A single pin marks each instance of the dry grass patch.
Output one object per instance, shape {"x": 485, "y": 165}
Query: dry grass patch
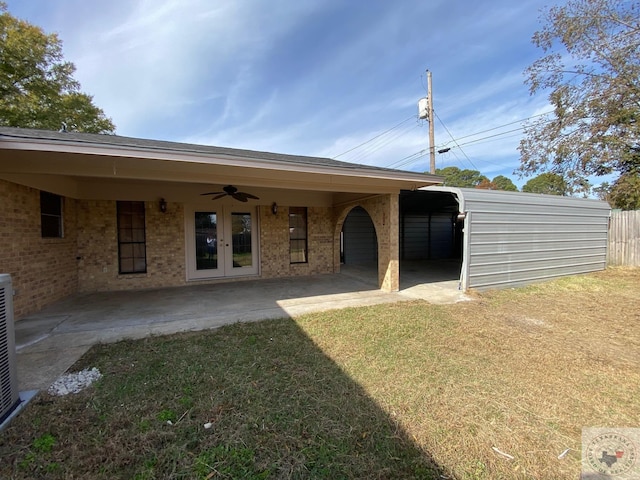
{"x": 522, "y": 370}
{"x": 409, "y": 390}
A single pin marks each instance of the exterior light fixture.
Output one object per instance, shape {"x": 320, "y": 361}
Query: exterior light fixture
{"x": 274, "y": 208}
{"x": 163, "y": 205}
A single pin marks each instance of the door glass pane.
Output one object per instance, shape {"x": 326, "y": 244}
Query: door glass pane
{"x": 241, "y": 240}
{"x": 206, "y": 240}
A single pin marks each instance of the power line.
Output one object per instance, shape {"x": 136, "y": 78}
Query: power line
{"x": 375, "y": 144}
{"x": 377, "y": 136}
{"x": 382, "y": 140}
{"x": 502, "y": 126}
{"x": 455, "y": 141}
{"x": 488, "y": 137}
{"x": 414, "y": 157}
{"x": 492, "y": 139}
{"x": 372, "y": 149}
{"x": 409, "y": 159}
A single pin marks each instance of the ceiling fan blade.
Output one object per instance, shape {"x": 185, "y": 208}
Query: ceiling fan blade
{"x": 233, "y": 192}
{"x": 239, "y": 196}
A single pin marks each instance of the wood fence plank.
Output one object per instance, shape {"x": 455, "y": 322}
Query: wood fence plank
{"x": 624, "y": 238}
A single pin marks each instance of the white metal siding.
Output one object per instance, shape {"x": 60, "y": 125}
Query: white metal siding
{"x": 517, "y": 238}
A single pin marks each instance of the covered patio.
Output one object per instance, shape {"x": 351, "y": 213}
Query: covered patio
{"x": 111, "y": 213}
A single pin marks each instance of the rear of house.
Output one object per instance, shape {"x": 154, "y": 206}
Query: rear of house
{"x": 82, "y": 213}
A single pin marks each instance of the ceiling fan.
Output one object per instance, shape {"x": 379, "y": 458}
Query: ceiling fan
{"x": 233, "y": 192}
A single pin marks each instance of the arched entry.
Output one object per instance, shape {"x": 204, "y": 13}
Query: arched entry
{"x": 359, "y": 244}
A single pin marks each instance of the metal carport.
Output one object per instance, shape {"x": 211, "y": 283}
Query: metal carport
{"x": 506, "y": 239}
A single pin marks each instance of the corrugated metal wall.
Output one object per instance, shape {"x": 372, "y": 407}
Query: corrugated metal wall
{"x": 427, "y": 237}
{"x": 518, "y": 238}
{"x": 359, "y": 237}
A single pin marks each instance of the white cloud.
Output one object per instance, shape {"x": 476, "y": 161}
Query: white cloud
{"x": 316, "y": 77}
{"x": 155, "y": 55}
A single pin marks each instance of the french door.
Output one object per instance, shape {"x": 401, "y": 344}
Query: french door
{"x": 221, "y": 242}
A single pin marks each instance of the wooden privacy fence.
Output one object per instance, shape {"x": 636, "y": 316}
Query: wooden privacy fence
{"x": 624, "y": 238}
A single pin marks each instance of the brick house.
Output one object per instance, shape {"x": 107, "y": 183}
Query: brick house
{"x": 84, "y": 212}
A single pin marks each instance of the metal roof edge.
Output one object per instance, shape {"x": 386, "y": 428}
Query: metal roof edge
{"x": 465, "y": 194}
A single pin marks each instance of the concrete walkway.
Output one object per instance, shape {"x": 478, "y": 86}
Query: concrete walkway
{"x": 51, "y": 341}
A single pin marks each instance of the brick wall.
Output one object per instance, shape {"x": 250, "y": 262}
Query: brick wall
{"x": 42, "y": 269}
{"x": 98, "y": 247}
{"x": 384, "y": 212}
{"x": 274, "y": 243}
{"x": 86, "y": 259}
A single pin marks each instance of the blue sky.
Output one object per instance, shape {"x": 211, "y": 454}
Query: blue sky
{"x": 308, "y": 77}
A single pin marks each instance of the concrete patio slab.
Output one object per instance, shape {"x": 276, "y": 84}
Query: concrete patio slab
{"x": 52, "y": 340}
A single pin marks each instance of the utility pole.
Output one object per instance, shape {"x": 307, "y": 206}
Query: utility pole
{"x": 432, "y": 147}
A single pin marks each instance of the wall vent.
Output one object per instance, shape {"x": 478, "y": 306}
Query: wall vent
{"x": 9, "y": 395}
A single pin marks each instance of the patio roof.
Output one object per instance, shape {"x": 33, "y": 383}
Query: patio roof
{"x": 111, "y": 157}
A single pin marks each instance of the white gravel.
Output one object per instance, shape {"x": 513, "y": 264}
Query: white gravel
{"x": 74, "y": 382}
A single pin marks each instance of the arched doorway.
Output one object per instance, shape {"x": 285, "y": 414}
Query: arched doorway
{"x": 359, "y": 245}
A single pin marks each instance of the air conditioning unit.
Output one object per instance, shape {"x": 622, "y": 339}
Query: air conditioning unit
{"x": 9, "y": 395}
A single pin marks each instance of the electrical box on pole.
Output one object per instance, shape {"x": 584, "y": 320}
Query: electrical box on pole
{"x": 423, "y": 108}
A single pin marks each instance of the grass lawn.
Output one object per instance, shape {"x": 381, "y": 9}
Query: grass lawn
{"x": 408, "y": 390}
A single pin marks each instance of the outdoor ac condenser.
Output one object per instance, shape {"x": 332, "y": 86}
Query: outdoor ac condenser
{"x": 9, "y": 395}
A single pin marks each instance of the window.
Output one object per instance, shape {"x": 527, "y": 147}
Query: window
{"x": 298, "y": 235}
{"x": 50, "y": 215}
{"x": 132, "y": 253}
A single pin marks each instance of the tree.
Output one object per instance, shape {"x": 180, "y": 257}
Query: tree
{"x": 549, "y": 183}
{"x": 454, "y": 177}
{"x": 602, "y": 191}
{"x": 486, "y": 184}
{"x": 504, "y": 183}
{"x": 625, "y": 192}
{"x": 37, "y": 88}
{"x": 591, "y": 68}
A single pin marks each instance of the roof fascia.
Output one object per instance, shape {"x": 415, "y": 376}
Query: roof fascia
{"x": 82, "y": 148}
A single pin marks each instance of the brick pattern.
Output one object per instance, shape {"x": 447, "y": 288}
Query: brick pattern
{"x": 86, "y": 259}
{"x": 320, "y": 238}
{"x": 98, "y": 248}
{"x": 42, "y": 269}
{"x": 274, "y": 242}
{"x": 384, "y": 212}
